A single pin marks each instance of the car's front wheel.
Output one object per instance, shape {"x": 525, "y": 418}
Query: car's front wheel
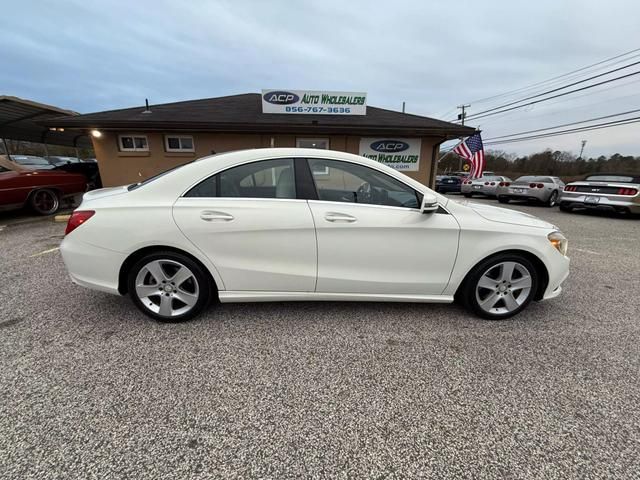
{"x": 169, "y": 286}
{"x": 500, "y": 286}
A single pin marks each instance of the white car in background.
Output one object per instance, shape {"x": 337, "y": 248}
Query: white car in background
{"x": 304, "y": 224}
{"x": 484, "y": 185}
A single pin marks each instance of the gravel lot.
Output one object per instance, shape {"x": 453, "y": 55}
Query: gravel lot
{"x": 90, "y": 388}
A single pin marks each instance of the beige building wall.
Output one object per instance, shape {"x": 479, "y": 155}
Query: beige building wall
{"x": 119, "y": 168}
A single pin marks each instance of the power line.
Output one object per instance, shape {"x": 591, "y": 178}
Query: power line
{"x": 600, "y": 126}
{"x": 558, "y": 95}
{"x": 555, "y": 89}
{"x": 565, "y": 124}
{"x": 481, "y": 100}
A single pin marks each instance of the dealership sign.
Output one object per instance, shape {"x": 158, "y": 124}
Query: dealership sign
{"x": 314, "y": 102}
{"x": 399, "y": 153}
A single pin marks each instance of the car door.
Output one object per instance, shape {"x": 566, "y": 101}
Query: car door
{"x": 372, "y": 236}
{"x": 249, "y": 222}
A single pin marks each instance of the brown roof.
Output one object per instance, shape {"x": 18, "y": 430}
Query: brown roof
{"x": 242, "y": 113}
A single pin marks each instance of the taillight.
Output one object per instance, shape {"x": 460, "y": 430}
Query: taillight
{"x": 532, "y": 185}
{"x": 493, "y": 183}
{"x": 501, "y": 184}
{"x": 486, "y": 183}
{"x": 78, "y": 218}
{"x": 540, "y": 185}
{"x": 627, "y": 191}
{"x": 570, "y": 188}
{"x": 506, "y": 184}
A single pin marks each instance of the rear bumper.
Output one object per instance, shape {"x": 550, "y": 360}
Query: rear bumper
{"x": 90, "y": 266}
{"x": 603, "y": 203}
{"x": 533, "y": 197}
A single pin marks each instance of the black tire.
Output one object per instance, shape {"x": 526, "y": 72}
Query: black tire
{"x": 503, "y": 199}
{"x": 468, "y": 195}
{"x": 467, "y": 292}
{"x": 202, "y": 285}
{"x": 44, "y": 201}
{"x": 553, "y": 200}
{"x": 565, "y": 208}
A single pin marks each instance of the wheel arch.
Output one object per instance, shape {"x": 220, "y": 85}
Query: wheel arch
{"x": 130, "y": 261}
{"x": 541, "y": 269}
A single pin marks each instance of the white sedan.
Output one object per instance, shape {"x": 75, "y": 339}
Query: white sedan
{"x": 303, "y": 224}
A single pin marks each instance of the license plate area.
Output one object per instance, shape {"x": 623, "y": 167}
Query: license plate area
{"x": 477, "y": 187}
{"x": 518, "y": 190}
{"x": 591, "y": 200}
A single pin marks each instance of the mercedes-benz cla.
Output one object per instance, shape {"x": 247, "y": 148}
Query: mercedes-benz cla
{"x": 301, "y": 224}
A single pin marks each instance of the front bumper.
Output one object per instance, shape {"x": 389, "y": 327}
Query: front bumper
{"x": 600, "y": 202}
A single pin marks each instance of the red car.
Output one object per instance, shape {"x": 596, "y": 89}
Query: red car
{"x": 42, "y": 190}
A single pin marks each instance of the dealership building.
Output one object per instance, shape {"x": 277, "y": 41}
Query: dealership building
{"x": 135, "y": 143}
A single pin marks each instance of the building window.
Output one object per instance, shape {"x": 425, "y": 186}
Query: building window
{"x": 178, "y": 143}
{"x": 133, "y": 143}
{"x": 320, "y": 143}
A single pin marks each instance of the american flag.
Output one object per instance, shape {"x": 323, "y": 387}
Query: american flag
{"x": 472, "y": 150}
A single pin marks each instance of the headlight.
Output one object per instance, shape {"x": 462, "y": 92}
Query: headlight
{"x": 559, "y": 241}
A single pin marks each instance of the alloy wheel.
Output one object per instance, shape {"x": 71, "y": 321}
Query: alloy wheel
{"x": 167, "y": 288}
{"x": 504, "y": 287}
{"x": 45, "y": 202}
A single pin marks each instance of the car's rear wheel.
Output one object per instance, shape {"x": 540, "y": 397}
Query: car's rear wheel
{"x": 44, "y": 201}
{"x": 502, "y": 199}
{"x": 500, "y": 286}
{"x": 553, "y": 199}
{"x": 169, "y": 286}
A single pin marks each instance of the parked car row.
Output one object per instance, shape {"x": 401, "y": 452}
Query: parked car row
{"x": 618, "y": 193}
{"x": 88, "y": 168}
{"x": 40, "y": 189}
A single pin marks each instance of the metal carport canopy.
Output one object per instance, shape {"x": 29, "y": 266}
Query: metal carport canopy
{"x": 19, "y": 120}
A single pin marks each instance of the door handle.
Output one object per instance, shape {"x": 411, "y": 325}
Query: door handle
{"x": 339, "y": 217}
{"x": 212, "y": 216}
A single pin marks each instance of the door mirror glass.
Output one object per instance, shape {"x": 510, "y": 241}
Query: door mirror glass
{"x": 429, "y": 203}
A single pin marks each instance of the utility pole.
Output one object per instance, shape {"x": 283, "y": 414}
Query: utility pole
{"x": 402, "y": 107}
{"x": 461, "y": 117}
{"x": 584, "y": 142}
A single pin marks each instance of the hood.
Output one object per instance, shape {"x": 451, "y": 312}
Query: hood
{"x": 504, "y": 215}
{"x": 103, "y": 192}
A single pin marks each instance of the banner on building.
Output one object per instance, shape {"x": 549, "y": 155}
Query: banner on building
{"x": 312, "y": 102}
{"x": 399, "y": 153}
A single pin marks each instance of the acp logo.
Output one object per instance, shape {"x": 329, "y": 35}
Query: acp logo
{"x": 389, "y": 146}
{"x": 281, "y": 98}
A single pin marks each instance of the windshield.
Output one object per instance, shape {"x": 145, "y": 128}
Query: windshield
{"x": 29, "y": 160}
{"x": 133, "y": 186}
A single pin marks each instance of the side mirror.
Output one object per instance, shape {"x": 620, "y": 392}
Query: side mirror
{"x": 429, "y": 203}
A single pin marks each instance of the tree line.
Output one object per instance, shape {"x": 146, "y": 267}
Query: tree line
{"x": 560, "y": 164}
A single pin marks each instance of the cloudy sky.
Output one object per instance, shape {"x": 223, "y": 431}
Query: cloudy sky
{"x": 434, "y": 55}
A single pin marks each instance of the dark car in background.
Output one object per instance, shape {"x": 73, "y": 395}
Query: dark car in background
{"x": 41, "y": 189}
{"x": 32, "y": 162}
{"x": 448, "y": 183}
{"x": 75, "y": 165}
{"x": 613, "y": 192}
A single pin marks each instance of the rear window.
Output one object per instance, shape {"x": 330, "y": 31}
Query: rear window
{"x": 29, "y": 160}
{"x": 531, "y": 178}
{"x": 133, "y": 186}
{"x": 609, "y": 178}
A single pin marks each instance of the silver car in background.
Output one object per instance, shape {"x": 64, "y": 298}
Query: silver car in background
{"x": 542, "y": 189}
{"x": 490, "y": 186}
{"x": 614, "y": 192}
{"x": 477, "y": 186}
